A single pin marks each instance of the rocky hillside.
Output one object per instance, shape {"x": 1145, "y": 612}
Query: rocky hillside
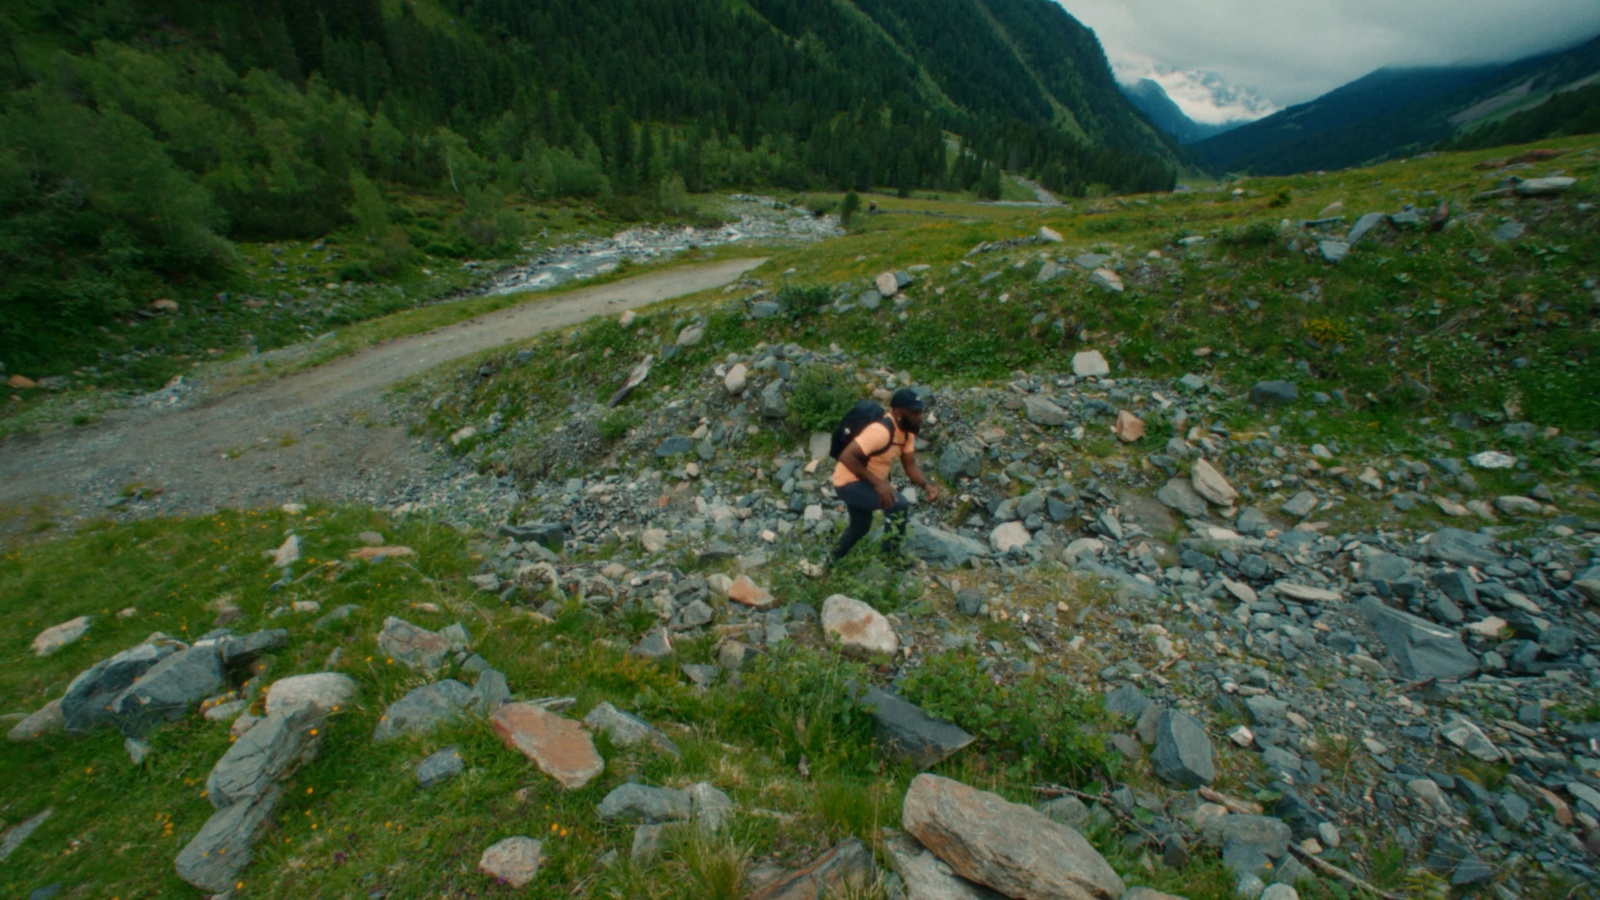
{"x": 1190, "y": 622}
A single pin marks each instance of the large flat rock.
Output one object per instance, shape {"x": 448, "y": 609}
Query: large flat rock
{"x": 559, "y": 746}
{"x": 1420, "y": 648}
{"x": 1013, "y": 849}
{"x": 213, "y": 859}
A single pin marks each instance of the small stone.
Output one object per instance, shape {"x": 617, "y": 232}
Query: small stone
{"x": 55, "y": 637}
{"x": 288, "y": 552}
{"x": 1210, "y": 484}
{"x": 641, "y": 803}
{"x": 626, "y": 730}
{"x": 747, "y": 592}
{"x": 1009, "y": 536}
{"x": 1041, "y": 411}
{"x": 322, "y": 691}
{"x": 515, "y": 861}
{"x": 440, "y": 767}
{"x": 1128, "y": 428}
{"x": 1090, "y": 364}
{"x": 857, "y": 628}
{"x": 1274, "y": 392}
{"x": 1107, "y": 279}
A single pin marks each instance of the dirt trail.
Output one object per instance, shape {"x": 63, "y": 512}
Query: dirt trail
{"x": 318, "y": 433}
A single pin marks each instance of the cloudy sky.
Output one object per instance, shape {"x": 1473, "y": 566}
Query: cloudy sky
{"x": 1289, "y": 51}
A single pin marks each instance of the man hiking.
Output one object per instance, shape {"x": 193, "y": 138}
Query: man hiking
{"x": 861, "y": 477}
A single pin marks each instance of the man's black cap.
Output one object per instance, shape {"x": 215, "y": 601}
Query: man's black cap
{"x": 906, "y": 398}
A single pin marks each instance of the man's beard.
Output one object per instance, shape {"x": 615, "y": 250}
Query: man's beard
{"x": 910, "y": 427}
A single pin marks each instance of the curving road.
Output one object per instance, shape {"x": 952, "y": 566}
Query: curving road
{"x": 319, "y": 433}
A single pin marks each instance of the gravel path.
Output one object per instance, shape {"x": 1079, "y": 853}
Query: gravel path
{"x": 323, "y": 432}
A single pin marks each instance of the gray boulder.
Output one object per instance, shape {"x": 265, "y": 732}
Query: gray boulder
{"x": 943, "y": 548}
{"x": 412, "y": 646}
{"x": 958, "y": 459}
{"x": 1420, "y": 648}
{"x": 87, "y": 701}
{"x": 1128, "y": 702}
{"x": 213, "y": 859}
{"x": 1041, "y": 411}
{"x": 440, "y": 767}
{"x": 1253, "y": 845}
{"x": 1179, "y": 494}
{"x": 492, "y": 691}
{"x": 1182, "y": 753}
{"x": 773, "y": 404}
{"x": 626, "y": 729}
{"x": 905, "y": 731}
{"x": 425, "y": 709}
{"x": 1462, "y": 548}
{"x": 925, "y": 876}
{"x": 1363, "y": 227}
{"x": 168, "y": 690}
{"x": 263, "y": 756}
{"x": 642, "y": 803}
{"x": 1300, "y": 505}
{"x": 239, "y": 652}
{"x": 1263, "y": 392}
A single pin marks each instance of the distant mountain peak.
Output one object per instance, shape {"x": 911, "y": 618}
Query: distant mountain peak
{"x": 1206, "y": 98}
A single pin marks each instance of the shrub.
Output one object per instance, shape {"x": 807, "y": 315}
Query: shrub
{"x": 821, "y": 397}
{"x": 1259, "y": 233}
{"x": 802, "y": 302}
{"x": 851, "y": 206}
{"x": 616, "y": 424}
{"x": 1039, "y": 724}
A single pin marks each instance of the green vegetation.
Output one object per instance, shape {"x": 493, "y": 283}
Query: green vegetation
{"x": 142, "y": 142}
{"x": 822, "y": 395}
{"x": 1569, "y": 112}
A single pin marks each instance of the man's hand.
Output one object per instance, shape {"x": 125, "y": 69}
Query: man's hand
{"x": 933, "y": 492}
{"x": 886, "y": 495}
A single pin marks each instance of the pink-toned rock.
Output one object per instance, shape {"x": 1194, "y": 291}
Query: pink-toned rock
{"x": 840, "y": 872}
{"x": 857, "y": 628}
{"x": 747, "y": 592}
{"x": 165, "y": 305}
{"x": 1011, "y": 848}
{"x": 1129, "y": 427}
{"x": 21, "y": 383}
{"x": 366, "y": 554}
{"x": 515, "y": 860}
{"x": 561, "y": 747}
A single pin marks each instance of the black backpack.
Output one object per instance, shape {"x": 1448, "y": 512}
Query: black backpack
{"x": 864, "y": 413}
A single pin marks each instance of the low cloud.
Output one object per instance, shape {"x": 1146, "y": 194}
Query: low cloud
{"x": 1290, "y": 51}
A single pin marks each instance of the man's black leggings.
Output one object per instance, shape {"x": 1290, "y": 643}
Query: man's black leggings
{"x": 862, "y": 501}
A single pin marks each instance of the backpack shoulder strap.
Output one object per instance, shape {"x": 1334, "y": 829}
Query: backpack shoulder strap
{"x": 887, "y": 422}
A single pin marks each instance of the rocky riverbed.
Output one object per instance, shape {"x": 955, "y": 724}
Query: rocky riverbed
{"x": 759, "y": 218}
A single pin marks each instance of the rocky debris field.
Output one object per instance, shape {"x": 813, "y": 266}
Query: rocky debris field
{"x": 1289, "y": 620}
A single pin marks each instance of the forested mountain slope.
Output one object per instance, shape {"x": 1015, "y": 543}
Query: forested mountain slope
{"x": 139, "y": 137}
{"x": 1393, "y": 112}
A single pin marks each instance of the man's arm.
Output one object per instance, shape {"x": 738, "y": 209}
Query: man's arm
{"x": 855, "y": 459}
{"x": 908, "y": 461}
